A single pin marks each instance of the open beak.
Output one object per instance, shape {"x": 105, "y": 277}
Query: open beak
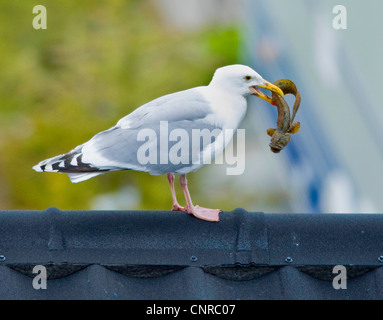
{"x": 269, "y": 86}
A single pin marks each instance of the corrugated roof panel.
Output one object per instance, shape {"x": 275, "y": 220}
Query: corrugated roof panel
{"x": 172, "y": 255}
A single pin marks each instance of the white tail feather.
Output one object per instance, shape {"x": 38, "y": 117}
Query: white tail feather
{"x": 78, "y": 177}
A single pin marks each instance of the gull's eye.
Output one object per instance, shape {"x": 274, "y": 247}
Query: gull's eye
{"x": 247, "y": 78}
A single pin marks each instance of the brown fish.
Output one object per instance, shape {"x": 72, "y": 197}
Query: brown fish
{"x": 281, "y": 136}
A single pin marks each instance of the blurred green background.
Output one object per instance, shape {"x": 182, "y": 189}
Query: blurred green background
{"x": 99, "y": 60}
{"x": 96, "y": 62}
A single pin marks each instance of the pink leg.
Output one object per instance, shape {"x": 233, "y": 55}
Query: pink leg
{"x": 176, "y": 206}
{"x": 197, "y": 211}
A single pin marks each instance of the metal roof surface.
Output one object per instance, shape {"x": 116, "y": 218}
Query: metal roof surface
{"x": 172, "y": 255}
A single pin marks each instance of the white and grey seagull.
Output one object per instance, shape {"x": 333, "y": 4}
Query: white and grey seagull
{"x": 136, "y": 142}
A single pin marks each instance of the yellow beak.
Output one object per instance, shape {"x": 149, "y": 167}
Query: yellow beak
{"x": 269, "y": 86}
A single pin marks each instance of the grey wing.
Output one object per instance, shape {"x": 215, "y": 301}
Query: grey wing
{"x": 166, "y": 135}
{"x": 184, "y": 105}
{"x": 163, "y": 147}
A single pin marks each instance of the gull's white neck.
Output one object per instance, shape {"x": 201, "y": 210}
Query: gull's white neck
{"x": 229, "y": 108}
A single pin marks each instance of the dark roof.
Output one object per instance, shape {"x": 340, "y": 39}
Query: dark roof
{"x": 172, "y": 255}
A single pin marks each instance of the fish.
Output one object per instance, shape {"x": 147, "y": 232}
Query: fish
{"x": 281, "y": 136}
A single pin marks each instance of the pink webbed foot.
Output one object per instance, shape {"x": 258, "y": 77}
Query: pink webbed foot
{"x": 205, "y": 213}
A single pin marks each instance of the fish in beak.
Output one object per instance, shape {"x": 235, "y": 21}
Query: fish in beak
{"x": 269, "y": 86}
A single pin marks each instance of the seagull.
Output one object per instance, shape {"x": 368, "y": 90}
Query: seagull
{"x": 158, "y": 131}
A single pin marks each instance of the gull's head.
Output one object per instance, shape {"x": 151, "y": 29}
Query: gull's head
{"x": 243, "y": 80}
